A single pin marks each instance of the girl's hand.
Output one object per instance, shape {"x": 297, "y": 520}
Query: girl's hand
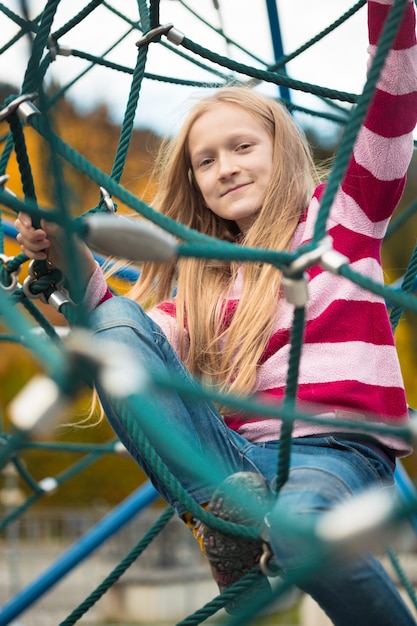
{"x": 46, "y": 244}
{"x": 43, "y": 243}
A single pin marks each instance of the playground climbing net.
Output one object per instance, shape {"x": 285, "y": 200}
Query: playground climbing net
{"x": 70, "y": 365}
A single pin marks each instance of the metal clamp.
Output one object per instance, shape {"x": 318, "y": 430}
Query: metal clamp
{"x": 309, "y": 258}
{"x": 324, "y": 254}
{"x": 23, "y": 106}
{"x": 32, "y": 278}
{"x": 55, "y": 49}
{"x": 294, "y": 280}
{"x": 3, "y": 180}
{"x": 172, "y": 34}
{"x": 106, "y": 199}
{"x": 13, "y": 275}
{"x": 48, "y": 484}
{"x": 295, "y": 290}
{"x": 267, "y": 563}
{"x": 58, "y": 298}
{"x": 332, "y": 260}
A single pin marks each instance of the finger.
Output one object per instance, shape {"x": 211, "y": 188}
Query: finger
{"x": 30, "y": 236}
{"x": 24, "y": 219}
{"x": 40, "y": 255}
{"x": 26, "y": 229}
{"x": 35, "y": 243}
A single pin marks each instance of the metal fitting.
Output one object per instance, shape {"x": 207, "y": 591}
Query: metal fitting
{"x": 175, "y": 36}
{"x": 309, "y": 258}
{"x": 154, "y": 35}
{"x": 22, "y": 106}
{"x": 119, "y": 448}
{"x": 295, "y": 290}
{"x": 38, "y": 405}
{"x": 412, "y": 426}
{"x": 13, "y": 275}
{"x": 362, "y": 522}
{"x": 55, "y": 49}
{"x": 3, "y": 180}
{"x": 268, "y": 564}
{"x": 52, "y": 47}
{"x": 118, "y": 371}
{"x": 294, "y": 280}
{"x": 32, "y": 278}
{"x": 332, "y": 260}
{"x": 48, "y": 484}
{"x": 64, "y": 51}
{"x": 58, "y": 298}
{"x": 106, "y": 198}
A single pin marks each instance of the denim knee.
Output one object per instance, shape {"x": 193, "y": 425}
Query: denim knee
{"x": 119, "y": 311}
{"x": 308, "y": 492}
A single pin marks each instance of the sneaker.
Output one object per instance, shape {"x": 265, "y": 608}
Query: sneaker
{"x": 243, "y": 498}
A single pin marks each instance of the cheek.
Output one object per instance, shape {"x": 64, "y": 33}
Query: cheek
{"x": 267, "y": 177}
{"x": 202, "y": 187}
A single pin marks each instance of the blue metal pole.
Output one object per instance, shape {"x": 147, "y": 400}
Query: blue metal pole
{"x": 278, "y": 48}
{"x": 91, "y": 540}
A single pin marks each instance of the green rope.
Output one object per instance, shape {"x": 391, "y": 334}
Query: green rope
{"x": 20, "y": 21}
{"x": 153, "y": 13}
{"x": 227, "y": 39}
{"x": 77, "y": 19}
{"x": 402, "y": 576}
{"x": 406, "y": 301}
{"x": 267, "y": 76}
{"x": 220, "y": 601}
{"x": 118, "y": 572}
{"x": 22, "y": 157}
{"x": 30, "y": 81}
{"x": 129, "y": 118}
{"x": 297, "y": 335}
{"x": 308, "y": 44}
{"x": 39, "y": 493}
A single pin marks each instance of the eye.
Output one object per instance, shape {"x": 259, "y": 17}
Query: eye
{"x": 244, "y": 146}
{"x": 205, "y": 162}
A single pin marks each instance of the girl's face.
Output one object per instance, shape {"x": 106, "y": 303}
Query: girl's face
{"x": 231, "y": 157}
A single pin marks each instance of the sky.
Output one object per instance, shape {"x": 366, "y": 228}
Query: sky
{"x": 338, "y": 62}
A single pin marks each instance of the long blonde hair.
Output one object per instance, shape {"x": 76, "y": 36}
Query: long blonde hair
{"x": 227, "y": 358}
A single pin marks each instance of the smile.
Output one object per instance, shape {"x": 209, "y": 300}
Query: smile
{"x": 233, "y": 189}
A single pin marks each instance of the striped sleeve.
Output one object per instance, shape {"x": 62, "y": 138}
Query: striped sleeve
{"x": 376, "y": 174}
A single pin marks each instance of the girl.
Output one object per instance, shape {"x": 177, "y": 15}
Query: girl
{"x": 239, "y": 170}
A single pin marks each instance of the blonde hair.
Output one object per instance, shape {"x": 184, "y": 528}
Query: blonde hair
{"x": 228, "y": 358}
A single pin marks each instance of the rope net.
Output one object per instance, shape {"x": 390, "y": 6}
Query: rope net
{"x": 70, "y": 364}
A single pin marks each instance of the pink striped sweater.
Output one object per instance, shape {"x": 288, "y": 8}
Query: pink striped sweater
{"x": 349, "y": 365}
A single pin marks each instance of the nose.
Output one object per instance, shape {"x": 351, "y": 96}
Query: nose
{"x": 227, "y": 165}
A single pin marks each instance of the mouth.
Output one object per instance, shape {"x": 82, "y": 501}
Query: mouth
{"x": 233, "y": 189}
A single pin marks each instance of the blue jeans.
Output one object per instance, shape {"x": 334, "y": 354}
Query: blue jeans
{"x": 324, "y": 471}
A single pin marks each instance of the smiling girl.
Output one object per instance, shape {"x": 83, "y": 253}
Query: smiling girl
{"x": 241, "y": 171}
